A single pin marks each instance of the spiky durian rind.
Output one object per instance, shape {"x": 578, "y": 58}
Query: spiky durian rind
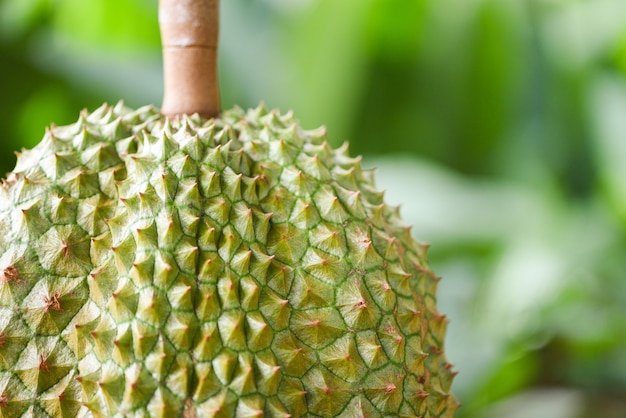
{"x": 238, "y": 266}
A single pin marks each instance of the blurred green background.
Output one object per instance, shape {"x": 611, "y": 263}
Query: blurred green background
{"x": 500, "y": 125}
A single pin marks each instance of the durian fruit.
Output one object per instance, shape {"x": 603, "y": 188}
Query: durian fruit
{"x": 235, "y": 266}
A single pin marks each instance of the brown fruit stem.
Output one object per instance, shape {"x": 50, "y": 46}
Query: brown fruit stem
{"x": 189, "y": 34}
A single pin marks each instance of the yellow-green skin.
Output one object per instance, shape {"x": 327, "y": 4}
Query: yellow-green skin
{"x": 236, "y": 267}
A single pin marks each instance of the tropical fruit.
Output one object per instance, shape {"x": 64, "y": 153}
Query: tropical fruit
{"x": 231, "y": 267}
{"x": 197, "y": 263}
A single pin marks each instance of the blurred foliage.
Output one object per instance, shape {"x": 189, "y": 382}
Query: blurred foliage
{"x": 499, "y": 124}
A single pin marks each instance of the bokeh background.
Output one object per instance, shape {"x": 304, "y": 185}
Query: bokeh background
{"x": 500, "y": 125}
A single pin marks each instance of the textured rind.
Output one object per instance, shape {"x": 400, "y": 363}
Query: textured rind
{"x": 230, "y": 267}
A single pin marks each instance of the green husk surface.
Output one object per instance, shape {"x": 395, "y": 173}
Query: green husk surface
{"x": 235, "y": 267}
